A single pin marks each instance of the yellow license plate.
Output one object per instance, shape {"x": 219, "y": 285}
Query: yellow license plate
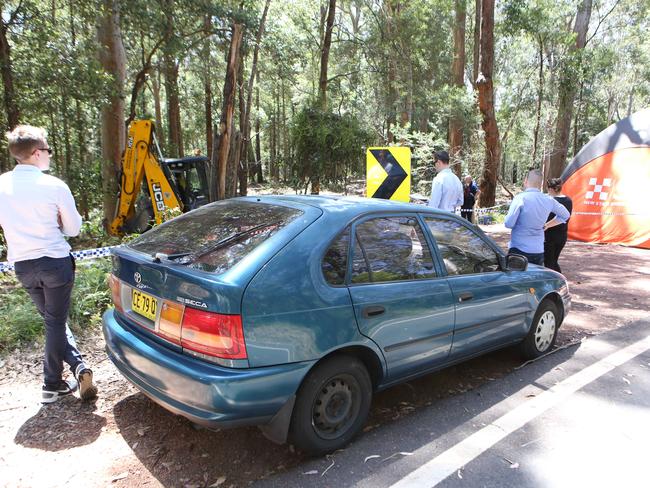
{"x": 144, "y": 304}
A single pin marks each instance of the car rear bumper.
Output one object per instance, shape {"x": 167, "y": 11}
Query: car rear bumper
{"x": 209, "y": 395}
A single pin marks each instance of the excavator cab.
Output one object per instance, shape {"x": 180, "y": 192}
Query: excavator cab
{"x": 151, "y": 185}
{"x": 190, "y": 176}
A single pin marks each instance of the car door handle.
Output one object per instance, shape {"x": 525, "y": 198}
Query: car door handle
{"x": 466, "y": 295}
{"x": 373, "y": 311}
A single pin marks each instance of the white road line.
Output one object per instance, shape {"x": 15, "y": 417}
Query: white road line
{"x": 457, "y": 456}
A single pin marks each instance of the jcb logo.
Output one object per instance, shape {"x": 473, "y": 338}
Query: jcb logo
{"x": 158, "y": 196}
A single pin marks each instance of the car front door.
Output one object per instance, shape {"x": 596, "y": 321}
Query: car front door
{"x": 490, "y": 303}
{"x": 399, "y": 299}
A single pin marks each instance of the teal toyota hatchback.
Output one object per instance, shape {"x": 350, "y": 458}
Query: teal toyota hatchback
{"x": 288, "y": 312}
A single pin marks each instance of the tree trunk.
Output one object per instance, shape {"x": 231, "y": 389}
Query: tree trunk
{"x": 207, "y": 86}
{"x": 112, "y": 57}
{"x": 258, "y": 141}
{"x": 540, "y": 94}
{"x": 170, "y": 69}
{"x": 567, "y": 91}
{"x": 240, "y": 165}
{"x": 486, "y": 106}
{"x": 325, "y": 55}
{"x": 478, "y": 6}
{"x": 458, "y": 77}
{"x": 227, "y": 113}
{"x": 10, "y": 101}
{"x": 246, "y": 116}
{"x": 155, "y": 91}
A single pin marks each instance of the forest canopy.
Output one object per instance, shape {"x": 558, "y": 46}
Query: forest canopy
{"x": 292, "y": 92}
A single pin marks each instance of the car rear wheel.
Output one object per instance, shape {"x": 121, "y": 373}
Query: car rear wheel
{"x": 542, "y": 334}
{"x": 332, "y": 405}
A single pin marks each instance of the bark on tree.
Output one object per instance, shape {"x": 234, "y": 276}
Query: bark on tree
{"x": 225, "y": 130}
{"x": 540, "y": 94}
{"x": 567, "y": 92}
{"x": 246, "y": 116}
{"x": 10, "y": 100}
{"x": 458, "y": 78}
{"x": 325, "y": 55}
{"x": 207, "y": 86}
{"x": 170, "y": 70}
{"x": 258, "y": 138}
{"x": 485, "y": 88}
{"x": 477, "y": 41}
{"x": 155, "y": 91}
{"x": 112, "y": 57}
{"x": 10, "y": 103}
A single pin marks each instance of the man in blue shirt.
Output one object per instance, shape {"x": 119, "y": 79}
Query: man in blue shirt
{"x": 446, "y": 189}
{"x": 527, "y": 218}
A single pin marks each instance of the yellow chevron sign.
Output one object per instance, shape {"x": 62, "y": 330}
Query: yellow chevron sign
{"x": 388, "y": 173}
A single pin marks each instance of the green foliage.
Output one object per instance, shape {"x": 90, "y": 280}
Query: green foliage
{"x": 327, "y": 146}
{"x": 20, "y": 322}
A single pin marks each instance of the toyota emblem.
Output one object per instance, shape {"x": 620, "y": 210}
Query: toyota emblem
{"x": 137, "y": 277}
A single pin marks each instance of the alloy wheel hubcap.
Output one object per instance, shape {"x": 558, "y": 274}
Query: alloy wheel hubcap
{"x": 545, "y": 331}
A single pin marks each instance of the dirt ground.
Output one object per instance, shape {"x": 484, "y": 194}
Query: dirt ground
{"x": 124, "y": 440}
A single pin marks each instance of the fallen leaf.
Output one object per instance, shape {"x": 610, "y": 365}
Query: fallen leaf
{"x": 514, "y": 465}
{"x": 373, "y": 456}
{"x": 627, "y": 381}
{"x": 313, "y": 471}
{"x": 460, "y": 474}
{"x": 627, "y": 391}
{"x": 120, "y": 476}
{"x": 220, "y": 481}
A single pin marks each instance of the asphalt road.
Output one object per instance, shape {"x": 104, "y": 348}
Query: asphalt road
{"x": 578, "y": 417}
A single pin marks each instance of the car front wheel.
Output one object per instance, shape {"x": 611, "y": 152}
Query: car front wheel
{"x": 332, "y": 405}
{"x": 542, "y": 334}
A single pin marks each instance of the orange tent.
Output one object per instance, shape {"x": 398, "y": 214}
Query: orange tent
{"x": 609, "y": 183}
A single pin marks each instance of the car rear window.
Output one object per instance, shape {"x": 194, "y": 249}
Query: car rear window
{"x": 215, "y": 237}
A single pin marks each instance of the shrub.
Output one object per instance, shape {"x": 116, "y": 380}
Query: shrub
{"x": 20, "y": 322}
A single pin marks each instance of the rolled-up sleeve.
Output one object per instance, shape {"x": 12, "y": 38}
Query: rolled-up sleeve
{"x": 70, "y": 218}
{"x": 513, "y": 213}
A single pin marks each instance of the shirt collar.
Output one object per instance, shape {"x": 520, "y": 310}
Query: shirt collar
{"x": 443, "y": 170}
{"x": 26, "y": 167}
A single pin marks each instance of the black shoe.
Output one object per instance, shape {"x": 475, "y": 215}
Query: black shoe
{"x": 52, "y": 393}
{"x": 87, "y": 390}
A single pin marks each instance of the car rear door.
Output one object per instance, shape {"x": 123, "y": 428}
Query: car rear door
{"x": 490, "y": 303}
{"x": 400, "y": 300}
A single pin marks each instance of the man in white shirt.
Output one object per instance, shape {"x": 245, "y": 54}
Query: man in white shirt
{"x": 446, "y": 189}
{"x": 36, "y": 211}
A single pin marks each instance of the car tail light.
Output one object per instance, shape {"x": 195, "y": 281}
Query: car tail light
{"x": 116, "y": 290}
{"x": 171, "y": 318}
{"x": 213, "y": 334}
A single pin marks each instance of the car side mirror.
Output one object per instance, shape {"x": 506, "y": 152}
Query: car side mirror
{"x": 516, "y": 262}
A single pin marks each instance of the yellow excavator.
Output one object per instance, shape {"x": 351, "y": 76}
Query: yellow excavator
{"x": 165, "y": 183}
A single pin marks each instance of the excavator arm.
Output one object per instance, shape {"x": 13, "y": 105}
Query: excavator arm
{"x": 140, "y": 164}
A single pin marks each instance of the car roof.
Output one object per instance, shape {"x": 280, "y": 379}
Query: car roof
{"x": 350, "y": 205}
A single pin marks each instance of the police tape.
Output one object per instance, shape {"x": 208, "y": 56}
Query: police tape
{"x": 99, "y": 252}
{"x": 483, "y": 211}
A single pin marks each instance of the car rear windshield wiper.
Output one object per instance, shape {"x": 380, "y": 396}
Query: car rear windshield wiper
{"x": 160, "y": 256}
{"x": 232, "y": 238}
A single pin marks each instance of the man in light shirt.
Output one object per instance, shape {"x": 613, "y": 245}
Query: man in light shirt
{"x": 446, "y": 189}
{"x": 36, "y": 211}
{"x": 527, "y": 218}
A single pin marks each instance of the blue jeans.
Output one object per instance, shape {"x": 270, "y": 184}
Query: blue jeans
{"x": 535, "y": 258}
{"x": 49, "y": 282}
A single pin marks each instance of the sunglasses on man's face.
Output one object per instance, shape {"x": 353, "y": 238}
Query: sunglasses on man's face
{"x": 49, "y": 150}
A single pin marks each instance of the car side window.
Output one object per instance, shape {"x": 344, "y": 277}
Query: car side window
{"x": 335, "y": 261}
{"x": 391, "y": 249}
{"x": 462, "y": 250}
